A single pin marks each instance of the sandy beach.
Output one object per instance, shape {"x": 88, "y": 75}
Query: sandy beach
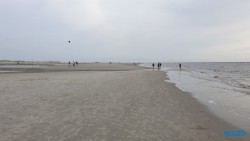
{"x": 101, "y": 102}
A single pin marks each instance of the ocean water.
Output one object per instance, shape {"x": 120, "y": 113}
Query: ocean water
{"x": 224, "y": 88}
{"x": 236, "y": 74}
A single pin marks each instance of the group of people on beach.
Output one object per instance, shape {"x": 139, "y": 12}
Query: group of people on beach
{"x": 75, "y": 64}
{"x": 158, "y": 65}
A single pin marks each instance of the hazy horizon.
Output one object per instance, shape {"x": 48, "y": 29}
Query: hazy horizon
{"x": 125, "y": 31}
{"x": 177, "y": 62}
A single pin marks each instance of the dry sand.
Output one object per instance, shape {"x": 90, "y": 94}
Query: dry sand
{"x": 97, "y": 105}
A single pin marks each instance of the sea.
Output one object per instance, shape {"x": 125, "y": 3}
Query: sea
{"x": 223, "y": 87}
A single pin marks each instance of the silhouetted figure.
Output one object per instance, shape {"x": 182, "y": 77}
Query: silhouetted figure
{"x": 159, "y": 66}
{"x": 153, "y": 65}
{"x": 180, "y": 66}
{"x": 76, "y": 63}
{"x": 69, "y": 64}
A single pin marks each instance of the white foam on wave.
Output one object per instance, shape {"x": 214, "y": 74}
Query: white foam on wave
{"x": 211, "y": 102}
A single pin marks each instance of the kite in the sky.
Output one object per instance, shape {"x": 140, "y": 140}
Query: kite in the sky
{"x": 69, "y": 41}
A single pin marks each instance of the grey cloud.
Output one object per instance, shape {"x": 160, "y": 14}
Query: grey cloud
{"x": 132, "y": 30}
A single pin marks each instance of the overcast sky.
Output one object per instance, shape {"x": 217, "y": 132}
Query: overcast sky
{"x": 125, "y": 30}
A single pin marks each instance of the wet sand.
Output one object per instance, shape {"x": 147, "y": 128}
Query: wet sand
{"x": 101, "y": 102}
{"x": 54, "y": 67}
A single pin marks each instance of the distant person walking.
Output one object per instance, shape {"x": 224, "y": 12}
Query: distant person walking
{"x": 69, "y": 63}
{"x": 180, "y": 66}
{"x": 159, "y": 66}
{"x": 153, "y": 65}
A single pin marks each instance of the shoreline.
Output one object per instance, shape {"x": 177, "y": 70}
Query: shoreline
{"x": 224, "y": 101}
{"x": 218, "y": 101}
{"x": 130, "y": 104}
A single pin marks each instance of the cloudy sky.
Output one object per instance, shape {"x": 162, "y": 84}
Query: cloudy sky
{"x": 125, "y": 30}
